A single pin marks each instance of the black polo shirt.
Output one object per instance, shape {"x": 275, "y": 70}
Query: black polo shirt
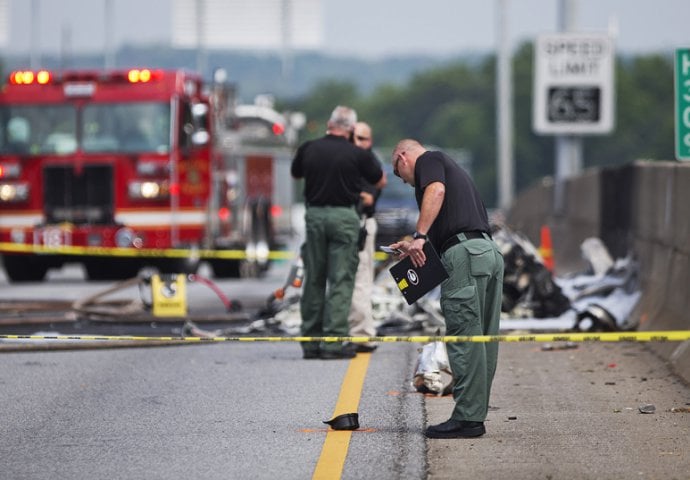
{"x": 462, "y": 209}
{"x": 332, "y": 169}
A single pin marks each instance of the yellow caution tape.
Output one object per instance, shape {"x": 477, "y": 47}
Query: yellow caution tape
{"x": 146, "y": 252}
{"x": 137, "y": 252}
{"x": 658, "y": 336}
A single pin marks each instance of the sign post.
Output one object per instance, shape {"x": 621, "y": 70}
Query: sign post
{"x": 573, "y": 84}
{"x": 682, "y": 88}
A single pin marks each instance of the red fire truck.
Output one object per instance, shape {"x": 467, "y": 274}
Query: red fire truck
{"x": 114, "y": 169}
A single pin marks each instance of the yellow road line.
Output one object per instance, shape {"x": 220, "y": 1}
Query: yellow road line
{"x": 334, "y": 451}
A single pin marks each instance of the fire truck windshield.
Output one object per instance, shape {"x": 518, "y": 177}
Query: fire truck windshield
{"x": 38, "y": 129}
{"x": 104, "y": 127}
{"x": 126, "y": 127}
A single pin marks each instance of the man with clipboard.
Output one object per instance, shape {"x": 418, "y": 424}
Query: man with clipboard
{"x": 452, "y": 217}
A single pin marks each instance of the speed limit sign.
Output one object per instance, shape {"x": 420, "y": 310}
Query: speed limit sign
{"x": 573, "y": 84}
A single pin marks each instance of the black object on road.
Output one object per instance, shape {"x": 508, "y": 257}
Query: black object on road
{"x": 346, "y": 421}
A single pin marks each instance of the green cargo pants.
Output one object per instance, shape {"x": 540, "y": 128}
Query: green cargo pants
{"x": 471, "y": 303}
{"x": 330, "y": 256}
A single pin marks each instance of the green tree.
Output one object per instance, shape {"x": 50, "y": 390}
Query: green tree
{"x": 644, "y": 114}
{"x": 533, "y": 154}
{"x": 320, "y": 102}
{"x": 454, "y": 106}
{"x": 451, "y": 107}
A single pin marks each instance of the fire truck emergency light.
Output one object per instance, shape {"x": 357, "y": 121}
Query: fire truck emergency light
{"x": 224, "y": 213}
{"x": 278, "y": 129}
{"x": 9, "y": 170}
{"x": 27, "y": 77}
{"x": 139, "y": 76}
{"x": 143, "y": 75}
{"x": 276, "y": 211}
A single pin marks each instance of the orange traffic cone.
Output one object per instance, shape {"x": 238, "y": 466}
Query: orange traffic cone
{"x": 546, "y": 250}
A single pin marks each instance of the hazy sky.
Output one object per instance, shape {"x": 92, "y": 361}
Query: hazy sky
{"x": 370, "y": 27}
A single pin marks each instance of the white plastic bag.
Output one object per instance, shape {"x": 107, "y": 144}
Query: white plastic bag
{"x": 431, "y": 365}
{"x": 433, "y": 358}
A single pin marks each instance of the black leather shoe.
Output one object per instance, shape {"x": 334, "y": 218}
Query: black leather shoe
{"x": 347, "y": 351}
{"x": 456, "y": 429}
{"x": 362, "y": 348}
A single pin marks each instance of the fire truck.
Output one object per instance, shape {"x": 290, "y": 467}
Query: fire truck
{"x": 120, "y": 170}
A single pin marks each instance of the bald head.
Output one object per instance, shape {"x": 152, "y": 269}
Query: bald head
{"x": 409, "y": 146}
{"x": 404, "y": 158}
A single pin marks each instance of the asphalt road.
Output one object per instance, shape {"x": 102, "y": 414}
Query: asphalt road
{"x": 206, "y": 411}
{"x": 255, "y": 411}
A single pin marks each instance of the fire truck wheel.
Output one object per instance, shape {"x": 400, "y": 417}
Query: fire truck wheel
{"x": 226, "y": 268}
{"x": 20, "y": 268}
{"x": 176, "y": 265}
{"x": 111, "y": 269}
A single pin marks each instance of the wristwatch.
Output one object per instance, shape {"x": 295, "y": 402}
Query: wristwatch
{"x": 417, "y": 235}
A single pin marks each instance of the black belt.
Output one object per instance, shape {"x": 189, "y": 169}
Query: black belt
{"x": 454, "y": 240}
{"x": 330, "y": 206}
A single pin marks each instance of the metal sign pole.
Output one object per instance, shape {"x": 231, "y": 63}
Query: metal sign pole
{"x": 568, "y": 148}
{"x": 504, "y": 111}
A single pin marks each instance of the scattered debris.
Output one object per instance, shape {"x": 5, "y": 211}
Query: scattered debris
{"x": 594, "y": 250}
{"x": 680, "y": 410}
{"x": 547, "y": 347}
{"x": 529, "y": 288}
{"x": 602, "y": 298}
{"x": 346, "y": 421}
{"x": 647, "y": 408}
{"x": 605, "y": 302}
{"x": 280, "y": 317}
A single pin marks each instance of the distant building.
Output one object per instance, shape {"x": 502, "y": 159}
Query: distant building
{"x": 251, "y": 25}
{"x": 4, "y": 23}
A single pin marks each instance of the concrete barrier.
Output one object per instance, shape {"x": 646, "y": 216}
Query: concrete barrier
{"x": 639, "y": 209}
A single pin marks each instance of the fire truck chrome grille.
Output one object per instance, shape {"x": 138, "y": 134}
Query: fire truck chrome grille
{"x": 79, "y": 197}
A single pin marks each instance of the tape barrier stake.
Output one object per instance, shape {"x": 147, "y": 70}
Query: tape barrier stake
{"x": 656, "y": 336}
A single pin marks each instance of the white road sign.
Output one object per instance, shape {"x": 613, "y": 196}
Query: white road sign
{"x": 573, "y": 84}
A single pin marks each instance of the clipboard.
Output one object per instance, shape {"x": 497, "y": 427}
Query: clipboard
{"x": 415, "y": 282}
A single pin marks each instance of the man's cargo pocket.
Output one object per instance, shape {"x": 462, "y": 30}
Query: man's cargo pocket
{"x": 481, "y": 259}
{"x": 460, "y": 308}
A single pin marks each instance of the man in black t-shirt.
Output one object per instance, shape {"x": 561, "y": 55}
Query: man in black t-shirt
{"x": 453, "y": 218}
{"x": 332, "y": 169}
